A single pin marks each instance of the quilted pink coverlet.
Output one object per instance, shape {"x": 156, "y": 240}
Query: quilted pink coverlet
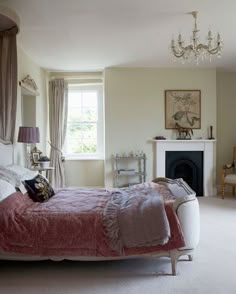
{"x": 69, "y": 224}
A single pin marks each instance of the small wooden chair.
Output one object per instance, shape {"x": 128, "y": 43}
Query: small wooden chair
{"x": 228, "y": 176}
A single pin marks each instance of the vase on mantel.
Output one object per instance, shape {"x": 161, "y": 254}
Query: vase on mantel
{"x": 211, "y": 133}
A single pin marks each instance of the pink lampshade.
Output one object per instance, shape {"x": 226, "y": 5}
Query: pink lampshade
{"x": 28, "y": 135}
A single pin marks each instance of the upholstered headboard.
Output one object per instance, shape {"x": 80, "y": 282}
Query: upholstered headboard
{"x": 6, "y": 154}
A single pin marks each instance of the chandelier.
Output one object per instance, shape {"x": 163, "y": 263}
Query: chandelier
{"x": 197, "y": 50}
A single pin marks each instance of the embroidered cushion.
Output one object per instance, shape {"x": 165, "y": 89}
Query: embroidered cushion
{"x": 39, "y": 188}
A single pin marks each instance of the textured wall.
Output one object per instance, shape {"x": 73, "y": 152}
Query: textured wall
{"x": 134, "y": 108}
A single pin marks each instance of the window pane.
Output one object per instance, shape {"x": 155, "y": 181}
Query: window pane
{"x": 82, "y": 122}
{"x": 89, "y": 114}
{"x": 82, "y": 137}
{"x": 74, "y": 115}
{"x": 76, "y": 147}
{"x": 75, "y": 129}
{"x": 74, "y": 99}
{"x": 89, "y": 99}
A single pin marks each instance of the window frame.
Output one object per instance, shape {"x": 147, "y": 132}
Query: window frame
{"x": 99, "y": 155}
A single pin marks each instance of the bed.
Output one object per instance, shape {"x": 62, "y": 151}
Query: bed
{"x": 97, "y": 236}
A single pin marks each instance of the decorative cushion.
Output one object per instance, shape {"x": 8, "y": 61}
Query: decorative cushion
{"x": 6, "y": 189}
{"x": 39, "y": 188}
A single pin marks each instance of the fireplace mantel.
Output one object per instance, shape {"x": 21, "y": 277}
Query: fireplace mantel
{"x": 207, "y": 146}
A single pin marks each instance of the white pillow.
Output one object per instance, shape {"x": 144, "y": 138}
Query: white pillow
{"x": 15, "y": 174}
{"x": 6, "y": 189}
{"x": 9, "y": 176}
{"x": 22, "y": 172}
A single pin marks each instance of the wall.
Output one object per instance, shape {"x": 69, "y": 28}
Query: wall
{"x": 84, "y": 173}
{"x": 134, "y": 108}
{"x": 226, "y": 107}
{"x": 36, "y": 111}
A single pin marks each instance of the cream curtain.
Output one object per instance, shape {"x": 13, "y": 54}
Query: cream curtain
{"x": 8, "y": 85}
{"x": 58, "y": 108}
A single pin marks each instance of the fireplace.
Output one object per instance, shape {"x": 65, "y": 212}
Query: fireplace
{"x": 187, "y": 165}
{"x": 204, "y": 170}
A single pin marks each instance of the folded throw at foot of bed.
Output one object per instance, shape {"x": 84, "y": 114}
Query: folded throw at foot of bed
{"x": 136, "y": 217}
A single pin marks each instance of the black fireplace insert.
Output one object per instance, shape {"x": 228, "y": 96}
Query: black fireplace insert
{"x": 187, "y": 165}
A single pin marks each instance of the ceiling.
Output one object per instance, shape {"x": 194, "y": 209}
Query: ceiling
{"x": 89, "y": 35}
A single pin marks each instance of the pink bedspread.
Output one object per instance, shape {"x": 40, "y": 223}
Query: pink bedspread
{"x": 69, "y": 224}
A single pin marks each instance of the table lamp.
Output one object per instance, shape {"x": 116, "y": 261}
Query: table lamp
{"x": 28, "y": 135}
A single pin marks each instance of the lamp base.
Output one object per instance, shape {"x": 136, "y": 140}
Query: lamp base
{"x": 28, "y": 156}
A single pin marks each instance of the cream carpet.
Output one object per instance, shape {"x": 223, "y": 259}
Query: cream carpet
{"x": 212, "y": 271}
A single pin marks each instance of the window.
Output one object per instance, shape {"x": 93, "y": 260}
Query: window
{"x": 84, "y": 137}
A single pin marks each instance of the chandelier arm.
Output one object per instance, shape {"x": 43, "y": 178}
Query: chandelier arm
{"x": 187, "y": 48}
{"x": 177, "y": 53}
{"x": 202, "y": 46}
{"x": 181, "y": 51}
{"x": 214, "y": 50}
{"x": 211, "y": 51}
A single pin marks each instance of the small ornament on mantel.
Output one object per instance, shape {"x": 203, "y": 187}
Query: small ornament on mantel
{"x": 211, "y": 133}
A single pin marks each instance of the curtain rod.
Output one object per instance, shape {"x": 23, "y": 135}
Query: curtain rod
{"x": 77, "y": 78}
{"x": 83, "y": 76}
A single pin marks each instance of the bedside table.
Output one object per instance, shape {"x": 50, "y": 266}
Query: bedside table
{"x": 42, "y": 169}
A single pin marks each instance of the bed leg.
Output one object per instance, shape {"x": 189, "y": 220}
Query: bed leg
{"x": 174, "y": 259}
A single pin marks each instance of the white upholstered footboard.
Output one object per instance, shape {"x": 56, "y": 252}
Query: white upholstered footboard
{"x": 187, "y": 209}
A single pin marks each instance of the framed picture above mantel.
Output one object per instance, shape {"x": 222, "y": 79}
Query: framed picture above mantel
{"x": 183, "y": 107}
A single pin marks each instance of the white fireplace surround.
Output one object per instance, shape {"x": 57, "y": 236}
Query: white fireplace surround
{"x": 207, "y": 146}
